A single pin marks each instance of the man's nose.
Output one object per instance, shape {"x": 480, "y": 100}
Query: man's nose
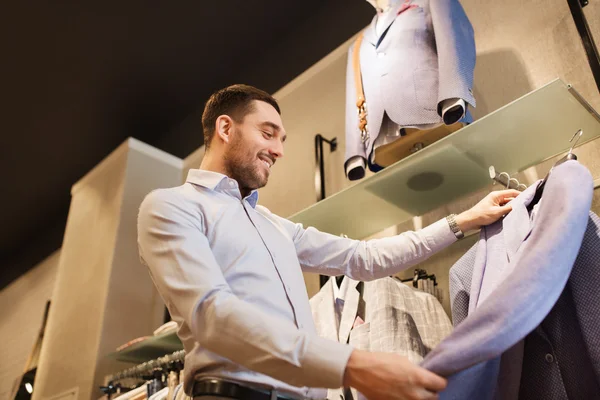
{"x": 277, "y": 150}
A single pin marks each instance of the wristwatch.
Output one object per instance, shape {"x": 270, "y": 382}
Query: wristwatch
{"x": 454, "y": 226}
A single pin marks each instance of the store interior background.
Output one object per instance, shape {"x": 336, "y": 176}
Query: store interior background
{"x": 101, "y": 296}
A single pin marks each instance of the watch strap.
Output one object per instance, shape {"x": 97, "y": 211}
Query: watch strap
{"x": 454, "y": 226}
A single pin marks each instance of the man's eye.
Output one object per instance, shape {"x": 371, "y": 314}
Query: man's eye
{"x": 268, "y": 135}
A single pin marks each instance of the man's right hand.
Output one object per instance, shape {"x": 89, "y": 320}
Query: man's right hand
{"x": 389, "y": 376}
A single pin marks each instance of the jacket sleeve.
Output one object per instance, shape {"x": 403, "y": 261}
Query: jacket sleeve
{"x": 455, "y": 42}
{"x": 460, "y": 285}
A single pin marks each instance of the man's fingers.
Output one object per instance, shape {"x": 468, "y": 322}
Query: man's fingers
{"x": 506, "y": 200}
{"x": 505, "y": 209}
{"x": 424, "y": 394}
{"x": 502, "y": 195}
{"x": 431, "y": 381}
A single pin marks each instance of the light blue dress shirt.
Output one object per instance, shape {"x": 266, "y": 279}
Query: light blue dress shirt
{"x": 230, "y": 273}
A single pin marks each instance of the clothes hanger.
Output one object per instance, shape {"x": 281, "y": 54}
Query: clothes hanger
{"x": 569, "y": 156}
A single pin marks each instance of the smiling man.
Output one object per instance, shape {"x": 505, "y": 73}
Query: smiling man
{"x": 230, "y": 271}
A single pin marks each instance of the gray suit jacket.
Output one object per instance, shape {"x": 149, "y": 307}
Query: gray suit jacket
{"x": 426, "y": 56}
{"x": 561, "y": 357}
{"x": 398, "y": 319}
{"x": 519, "y": 270}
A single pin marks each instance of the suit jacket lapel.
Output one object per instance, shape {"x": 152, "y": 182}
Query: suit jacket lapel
{"x": 370, "y": 35}
{"x": 478, "y": 270}
{"x": 325, "y": 313}
{"x": 517, "y": 224}
{"x": 349, "y": 313}
{"x": 497, "y": 248}
{"x": 387, "y": 19}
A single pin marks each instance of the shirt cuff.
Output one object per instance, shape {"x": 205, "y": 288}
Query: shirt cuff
{"x": 439, "y": 235}
{"x": 326, "y": 361}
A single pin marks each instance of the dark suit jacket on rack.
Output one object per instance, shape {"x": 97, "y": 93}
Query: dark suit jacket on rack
{"x": 512, "y": 279}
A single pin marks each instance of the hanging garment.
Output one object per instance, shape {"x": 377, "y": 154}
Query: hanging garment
{"x": 388, "y": 317}
{"x": 139, "y": 396}
{"x": 155, "y": 385}
{"x": 172, "y": 382}
{"x": 178, "y": 388}
{"x": 181, "y": 395}
{"x": 519, "y": 269}
{"x": 561, "y": 357}
{"x": 161, "y": 394}
{"x": 424, "y": 55}
{"x": 135, "y": 394}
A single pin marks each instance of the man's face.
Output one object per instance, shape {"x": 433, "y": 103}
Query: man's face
{"x": 256, "y": 143}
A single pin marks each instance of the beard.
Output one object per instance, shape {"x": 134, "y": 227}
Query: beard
{"x": 244, "y": 166}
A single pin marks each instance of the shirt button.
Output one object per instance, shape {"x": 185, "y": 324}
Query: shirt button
{"x": 380, "y": 55}
{"x": 549, "y": 358}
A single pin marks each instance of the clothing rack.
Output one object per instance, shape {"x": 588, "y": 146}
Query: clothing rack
{"x": 511, "y": 183}
{"x": 504, "y": 179}
{"x": 419, "y": 274}
{"x": 147, "y": 368}
{"x": 424, "y": 282}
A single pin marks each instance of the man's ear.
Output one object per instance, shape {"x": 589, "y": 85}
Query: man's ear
{"x": 224, "y": 128}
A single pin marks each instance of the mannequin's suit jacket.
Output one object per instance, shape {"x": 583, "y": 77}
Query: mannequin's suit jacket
{"x": 397, "y": 319}
{"x": 426, "y": 55}
{"x": 520, "y": 280}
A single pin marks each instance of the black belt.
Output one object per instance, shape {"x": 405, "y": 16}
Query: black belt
{"x": 222, "y": 388}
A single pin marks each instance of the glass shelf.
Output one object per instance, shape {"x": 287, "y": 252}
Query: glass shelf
{"x": 149, "y": 349}
{"x": 521, "y": 134}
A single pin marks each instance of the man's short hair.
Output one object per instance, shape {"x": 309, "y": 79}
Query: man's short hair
{"x": 236, "y": 101}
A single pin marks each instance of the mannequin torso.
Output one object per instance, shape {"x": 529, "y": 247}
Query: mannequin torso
{"x": 389, "y": 129}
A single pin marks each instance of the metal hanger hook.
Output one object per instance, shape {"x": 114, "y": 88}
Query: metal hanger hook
{"x": 579, "y": 133}
{"x": 507, "y": 178}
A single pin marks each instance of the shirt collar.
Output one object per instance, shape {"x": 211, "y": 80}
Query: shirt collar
{"x": 219, "y": 183}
